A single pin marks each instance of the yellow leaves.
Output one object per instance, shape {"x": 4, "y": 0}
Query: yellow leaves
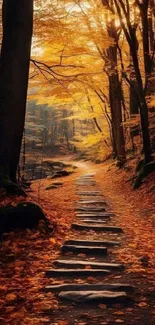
{"x": 132, "y": 245}
{"x": 52, "y": 241}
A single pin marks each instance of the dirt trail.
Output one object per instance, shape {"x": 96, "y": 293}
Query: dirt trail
{"x": 26, "y": 255}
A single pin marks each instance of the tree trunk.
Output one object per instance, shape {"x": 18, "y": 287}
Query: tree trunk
{"x": 133, "y": 101}
{"x": 14, "y": 70}
{"x": 115, "y": 103}
{"x": 142, "y": 105}
{"x": 132, "y": 41}
{"x": 116, "y": 114}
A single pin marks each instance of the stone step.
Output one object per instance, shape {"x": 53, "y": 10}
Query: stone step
{"x": 84, "y": 249}
{"x": 89, "y": 193}
{"x": 91, "y": 198}
{"x": 85, "y": 202}
{"x": 92, "y": 221}
{"x": 88, "y": 175}
{"x": 78, "y": 226}
{"x": 86, "y": 180}
{"x": 90, "y": 209}
{"x": 84, "y": 242}
{"x": 90, "y": 287}
{"x": 107, "y": 297}
{"x": 94, "y": 215}
{"x": 73, "y": 272}
{"x": 82, "y": 264}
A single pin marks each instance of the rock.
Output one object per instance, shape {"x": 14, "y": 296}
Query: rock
{"x": 92, "y": 221}
{"x": 23, "y": 215}
{"x": 85, "y": 202}
{"x": 73, "y": 272}
{"x": 91, "y": 287}
{"x": 51, "y": 187}
{"x": 61, "y": 173}
{"x": 90, "y": 193}
{"x": 96, "y": 227}
{"x": 96, "y": 215}
{"x": 86, "y": 176}
{"x": 83, "y": 242}
{"x": 83, "y": 264}
{"x": 99, "y": 197}
{"x": 57, "y": 183}
{"x": 86, "y": 183}
{"x": 100, "y": 296}
{"x": 91, "y": 209}
{"x": 84, "y": 249}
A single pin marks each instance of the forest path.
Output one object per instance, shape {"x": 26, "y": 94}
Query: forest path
{"x": 90, "y": 281}
{"x": 25, "y": 256}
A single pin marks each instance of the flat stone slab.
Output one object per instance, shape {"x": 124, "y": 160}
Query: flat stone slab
{"x": 85, "y": 249}
{"x": 90, "y": 287}
{"x": 90, "y": 209}
{"x": 84, "y": 242}
{"x": 96, "y": 227}
{"x": 86, "y": 181}
{"x": 108, "y": 297}
{"x": 73, "y": 272}
{"x": 89, "y": 193}
{"x": 92, "y": 202}
{"x": 82, "y": 264}
{"x": 94, "y": 215}
{"x": 90, "y": 197}
{"x": 91, "y": 220}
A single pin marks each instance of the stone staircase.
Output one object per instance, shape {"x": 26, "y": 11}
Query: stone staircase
{"x": 94, "y": 236}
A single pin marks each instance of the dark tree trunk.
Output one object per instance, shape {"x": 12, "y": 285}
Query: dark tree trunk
{"x": 115, "y": 98}
{"x": 133, "y": 101}
{"x": 132, "y": 41}
{"x": 142, "y": 105}
{"x": 145, "y": 36}
{"x": 116, "y": 114}
{"x": 14, "y": 70}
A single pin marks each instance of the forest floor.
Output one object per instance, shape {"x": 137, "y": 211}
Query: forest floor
{"x": 26, "y": 255}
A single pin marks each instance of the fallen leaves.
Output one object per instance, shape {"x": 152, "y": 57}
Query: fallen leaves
{"x": 142, "y": 304}
{"x": 102, "y": 306}
{"x": 119, "y": 312}
{"x": 26, "y": 254}
{"x": 11, "y": 297}
{"x": 119, "y": 321}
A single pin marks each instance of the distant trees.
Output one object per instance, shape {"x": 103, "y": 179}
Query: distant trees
{"x": 112, "y": 56}
{"x": 14, "y": 71}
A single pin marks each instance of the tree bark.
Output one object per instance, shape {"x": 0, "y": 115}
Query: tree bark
{"x": 115, "y": 98}
{"x": 142, "y": 105}
{"x": 132, "y": 41}
{"x": 14, "y": 70}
